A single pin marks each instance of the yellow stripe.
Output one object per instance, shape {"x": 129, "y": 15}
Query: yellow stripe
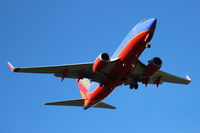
{"x": 86, "y": 87}
{"x": 82, "y": 95}
{"x": 86, "y": 83}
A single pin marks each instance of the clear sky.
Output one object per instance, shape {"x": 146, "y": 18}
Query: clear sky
{"x": 52, "y": 32}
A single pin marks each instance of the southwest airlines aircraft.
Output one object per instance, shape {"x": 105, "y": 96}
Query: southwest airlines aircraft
{"x": 98, "y": 79}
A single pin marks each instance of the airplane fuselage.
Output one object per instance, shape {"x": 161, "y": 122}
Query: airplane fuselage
{"x": 127, "y": 53}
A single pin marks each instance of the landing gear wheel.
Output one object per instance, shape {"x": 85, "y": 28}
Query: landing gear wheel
{"x": 136, "y": 86}
{"x": 131, "y": 86}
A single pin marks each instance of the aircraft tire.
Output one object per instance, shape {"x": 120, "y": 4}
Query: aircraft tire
{"x": 131, "y": 86}
{"x": 136, "y": 86}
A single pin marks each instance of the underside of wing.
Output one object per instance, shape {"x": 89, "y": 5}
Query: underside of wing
{"x": 52, "y": 69}
{"x": 74, "y": 71}
{"x": 139, "y": 74}
{"x": 166, "y": 77}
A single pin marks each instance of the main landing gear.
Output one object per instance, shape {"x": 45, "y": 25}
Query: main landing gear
{"x": 134, "y": 85}
{"x": 101, "y": 84}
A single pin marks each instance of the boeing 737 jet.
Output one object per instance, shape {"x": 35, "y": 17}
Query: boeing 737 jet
{"x": 96, "y": 80}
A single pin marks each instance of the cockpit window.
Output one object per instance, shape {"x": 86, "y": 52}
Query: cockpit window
{"x": 143, "y": 20}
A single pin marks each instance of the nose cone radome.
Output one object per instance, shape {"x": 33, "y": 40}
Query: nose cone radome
{"x": 152, "y": 23}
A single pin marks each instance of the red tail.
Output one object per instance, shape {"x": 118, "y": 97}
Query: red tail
{"x": 83, "y": 85}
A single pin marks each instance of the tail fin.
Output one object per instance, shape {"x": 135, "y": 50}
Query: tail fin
{"x": 84, "y": 85}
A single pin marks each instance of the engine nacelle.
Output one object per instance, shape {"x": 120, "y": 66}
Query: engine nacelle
{"x": 153, "y": 66}
{"x": 101, "y": 62}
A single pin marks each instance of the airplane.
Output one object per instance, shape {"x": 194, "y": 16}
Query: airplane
{"x": 96, "y": 80}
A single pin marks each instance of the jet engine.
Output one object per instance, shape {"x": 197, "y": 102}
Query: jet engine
{"x": 153, "y": 66}
{"x": 101, "y": 62}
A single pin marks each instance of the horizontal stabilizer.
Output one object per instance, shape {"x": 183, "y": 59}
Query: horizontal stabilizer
{"x": 80, "y": 102}
{"x": 77, "y": 102}
{"x": 104, "y": 105}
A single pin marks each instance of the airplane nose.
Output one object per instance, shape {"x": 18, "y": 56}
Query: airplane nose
{"x": 153, "y": 22}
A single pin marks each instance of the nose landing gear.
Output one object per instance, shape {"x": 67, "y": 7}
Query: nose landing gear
{"x": 148, "y": 45}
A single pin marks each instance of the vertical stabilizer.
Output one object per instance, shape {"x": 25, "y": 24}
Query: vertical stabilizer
{"x": 84, "y": 85}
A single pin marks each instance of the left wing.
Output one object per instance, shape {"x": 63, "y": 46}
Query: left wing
{"x": 158, "y": 78}
{"x": 74, "y": 71}
{"x": 52, "y": 69}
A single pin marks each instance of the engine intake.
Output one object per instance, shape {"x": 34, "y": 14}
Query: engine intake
{"x": 153, "y": 66}
{"x": 101, "y": 62}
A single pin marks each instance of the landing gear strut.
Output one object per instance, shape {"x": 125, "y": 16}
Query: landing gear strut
{"x": 148, "y": 45}
{"x": 101, "y": 84}
{"x": 134, "y": 85}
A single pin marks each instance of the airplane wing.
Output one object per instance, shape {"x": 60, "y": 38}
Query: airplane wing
{"x": 52, "y": 69}
{"x": 139, "y": 75}
{"x": 74, "y": 71}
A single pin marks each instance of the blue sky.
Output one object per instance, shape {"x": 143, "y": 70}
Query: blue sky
{"x": 50, "y": 32}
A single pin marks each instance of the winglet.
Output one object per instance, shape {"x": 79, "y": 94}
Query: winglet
{"x": 188, "y": 78}
{"x": 11, "y": 67}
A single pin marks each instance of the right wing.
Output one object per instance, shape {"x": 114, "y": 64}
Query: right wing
{"x": 139, "y": 74}
{"x": 166, "y": 77}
